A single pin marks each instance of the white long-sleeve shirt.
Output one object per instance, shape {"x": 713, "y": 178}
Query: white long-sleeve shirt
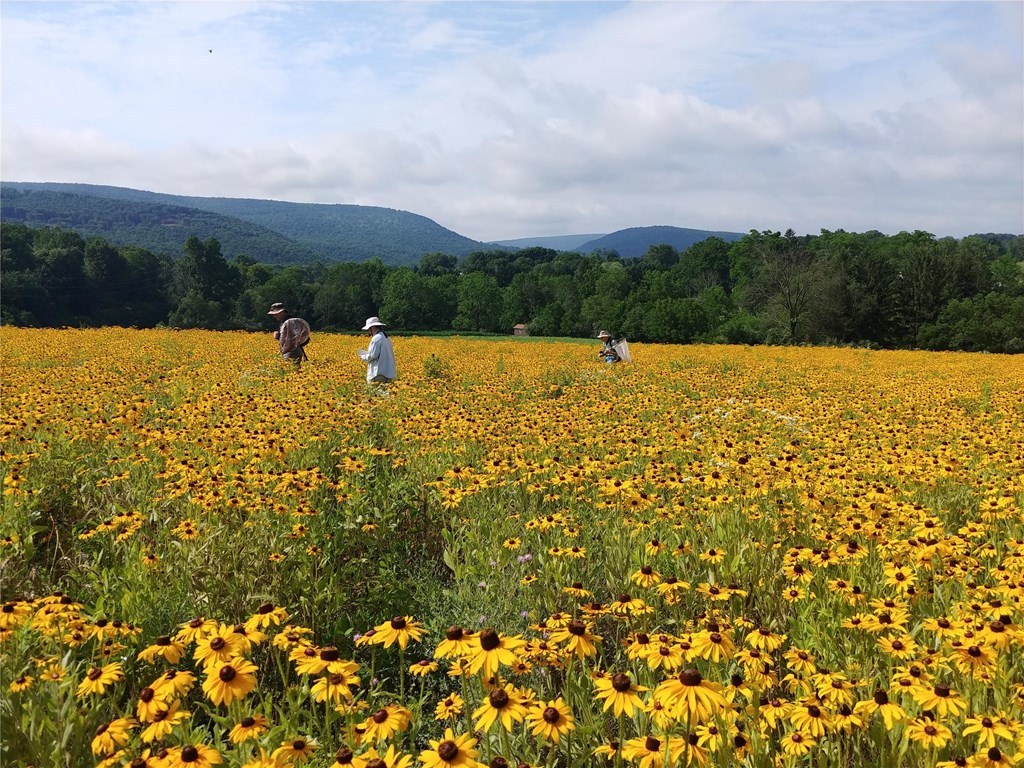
{"x": 380, "y": 358}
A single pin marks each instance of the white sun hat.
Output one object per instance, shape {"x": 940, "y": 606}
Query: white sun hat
{"x": 373, "y": 322}
{"x": 602, "y": 334}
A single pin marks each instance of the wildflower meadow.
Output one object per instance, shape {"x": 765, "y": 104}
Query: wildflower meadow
{"x": 514, "y": 555}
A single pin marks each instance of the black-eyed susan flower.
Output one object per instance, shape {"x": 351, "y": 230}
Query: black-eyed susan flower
{"x": 451, "y": 751}
{"x": 346, "y": 758}
{"x": 164, "y": 647}
{"x": 294, "y": 751}
{"x": 334, "y": 687}
{"x": 392, "y": 758}
{"x": 385, "y": 723}
{"x": 98, "y": 679}
{"x": 423, "y": 668}
{"x": 266, "y": 615}
{"x": 173, "y": 682}
{"x": 490, "y": 650}
{"x": 457, "y": 642}
{"x": 713, "y": 555}
{"x": 688, "y": 696}
{"x": 797, "y": 743}
{"x": 619, "y": 693}
{"x": 20, "y": 683}
{"x": 810, "y": 718}
{"x": 879, "y": 702}
{"x": 502, "y": 705}
{"x": 941, "y": 700}
{"x": 248, "y": 728}
{"x": 193, "y": 756}
{"x": 112, "y": 735}
{"x": 449, "y": 707}
{"x": 166, "y": 717}
{"x": 227, "y": 681}
{"x": 551, "y": 720}
{"x": 651, "y": 752}
{"x": 220, "y": 645}
{"x": 988, "y": 729}
{"x": 400, "y": 630}
{"x": 150, "y": 702}
{"x": 578, "y": 638}
{"x": 928, "y": 733}
{"x": 993, "y": 757}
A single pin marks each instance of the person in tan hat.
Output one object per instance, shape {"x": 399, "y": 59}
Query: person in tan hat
{"x": 380, "y": 355}
{"x": 607, "y": 353}
{"x": 292, "y": 334}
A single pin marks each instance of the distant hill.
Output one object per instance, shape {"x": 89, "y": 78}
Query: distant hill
{"x": 324, "y": 232}
{"x": 555, "y": 242}
{"x": 157, "y": 227}
{"x": 634, "y": 242}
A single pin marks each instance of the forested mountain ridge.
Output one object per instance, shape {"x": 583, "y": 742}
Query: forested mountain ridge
{"x": 325, "y": 232}
{"x": 633, "y": 242}
{"x": 157, "y": 227}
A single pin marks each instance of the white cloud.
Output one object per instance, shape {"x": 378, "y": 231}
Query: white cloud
{"x": 507, "y": 120}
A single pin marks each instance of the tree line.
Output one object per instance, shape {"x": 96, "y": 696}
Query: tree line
{"x": 910, "y": 290}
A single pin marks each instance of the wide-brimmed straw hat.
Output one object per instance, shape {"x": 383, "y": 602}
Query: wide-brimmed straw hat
{"x": 373, "y": 322}
{"x": 276, "y": 309}
{"x": 604, "y": 334}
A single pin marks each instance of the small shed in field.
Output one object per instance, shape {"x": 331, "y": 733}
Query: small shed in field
{"x": 520, "y": 330}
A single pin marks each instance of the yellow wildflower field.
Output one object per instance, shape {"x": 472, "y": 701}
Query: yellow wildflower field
{"x": 514, "y": 554}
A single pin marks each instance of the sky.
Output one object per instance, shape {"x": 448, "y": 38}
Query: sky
{"x": 505, "y": 120}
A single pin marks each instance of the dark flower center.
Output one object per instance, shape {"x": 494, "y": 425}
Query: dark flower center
{"x": 265, "y": 608}
{"x": 942, "y": 690}
{"x": 227, "y": 673}
{"x": 447, "y": 750}
{"x": 343, "y": 756}
{"x": 690, "y": 677}
{"x": 652, "y": 744}
{"x": 102, "y": 729}
{"x": 881, "y": 698}
{"x": 94, "y": 673}
{"x": 498, "y": 698}
{"x": 189, "y": 754}
{"x": 380, "y": 716}
{"x": 398, "y": 622}
{"x": 248, "y": 722}
{"x": 146, "y": 695}
{"x": 489, "y": 639}
{"x": 453, "y": 633}
{"x": 995, "y": 755}
{"x": 621, "y": 682}
{"x": 163, "y": 640}
{"x": 329, "y": 654}
{"x": 577, "y": 627}
{"x": 217, "y": 643}
{"x": 552, "y": 715}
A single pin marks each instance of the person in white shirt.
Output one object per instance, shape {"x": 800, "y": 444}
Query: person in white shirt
{"x": 380, "y": 356}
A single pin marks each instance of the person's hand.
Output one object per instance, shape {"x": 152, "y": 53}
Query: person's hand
{"x": 277, "y": 335}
